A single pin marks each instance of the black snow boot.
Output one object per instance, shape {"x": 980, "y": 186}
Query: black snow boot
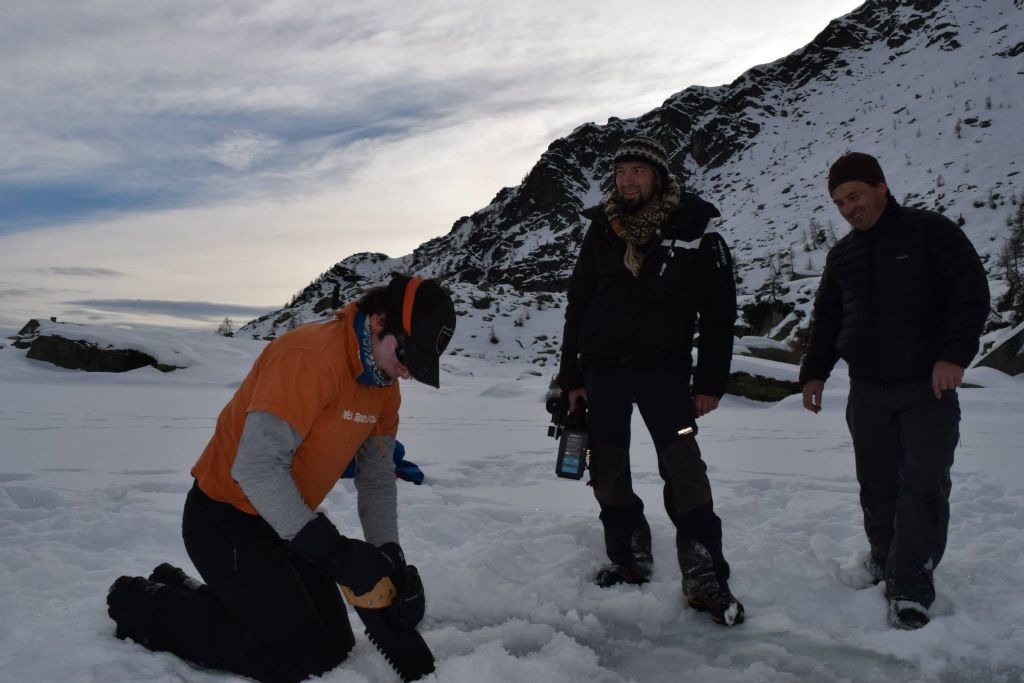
{"x": 907, "y": 614}
{"x": 703, "y": 589}
{"x": 129, "y": 605}
{"x": 628, "y": 541}
{"x": 875, "y": 570}
{"x": 635, "y": 573}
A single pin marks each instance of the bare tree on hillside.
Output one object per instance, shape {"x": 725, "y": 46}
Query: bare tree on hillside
{"x": 226, "y": 328}
{"x": 1011, "y": 266}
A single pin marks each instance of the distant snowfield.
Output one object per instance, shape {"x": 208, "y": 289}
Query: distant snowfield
{"x": 94, "y": 471}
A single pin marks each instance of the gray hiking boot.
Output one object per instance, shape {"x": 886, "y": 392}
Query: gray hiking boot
{"x": 702, "y": 589}
{"x": 722, "y": 605}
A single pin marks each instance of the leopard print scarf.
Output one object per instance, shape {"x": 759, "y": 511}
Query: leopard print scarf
{"x": 638, "y": 228}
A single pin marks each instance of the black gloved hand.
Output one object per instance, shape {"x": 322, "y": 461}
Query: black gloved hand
{"x": 409, "y": 605}
{"x": 353, "y": 563}
{"x": 408, "y": 608}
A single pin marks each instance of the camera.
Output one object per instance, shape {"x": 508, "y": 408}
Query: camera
{"x": 569, "y": 427}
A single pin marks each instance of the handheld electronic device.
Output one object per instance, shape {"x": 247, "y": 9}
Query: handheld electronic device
{"x": 570, "y": 428}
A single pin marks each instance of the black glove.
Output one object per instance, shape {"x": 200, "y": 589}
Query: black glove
{"x": 409, "y": 605}
{"x": 353, "y": 563}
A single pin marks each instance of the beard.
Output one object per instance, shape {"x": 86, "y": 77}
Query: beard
{"x": 630, "y": 205}
{"x": 636, "y": 203}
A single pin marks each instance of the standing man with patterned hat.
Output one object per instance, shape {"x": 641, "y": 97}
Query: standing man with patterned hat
{"x": 315, "y": 399}
{"x": 649, "y": 276}
{"x": 903, "y": 299}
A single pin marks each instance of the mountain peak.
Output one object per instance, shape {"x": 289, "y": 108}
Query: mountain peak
{"x": 930, "y": 87}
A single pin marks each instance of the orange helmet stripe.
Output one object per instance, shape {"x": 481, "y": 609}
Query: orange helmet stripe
{"x": 410, "y": 295}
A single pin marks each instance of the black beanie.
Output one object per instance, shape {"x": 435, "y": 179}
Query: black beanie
{"x": 649, "y": 151}
{"x": 854, "y": 166}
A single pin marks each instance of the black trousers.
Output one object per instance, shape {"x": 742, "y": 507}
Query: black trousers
{"x": 903, "y": 442}
{"x": 264, "y": 613}
{"x": 663, "y": 398}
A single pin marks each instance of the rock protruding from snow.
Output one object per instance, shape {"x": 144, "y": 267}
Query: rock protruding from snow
{"x": 1007, "y": 356}
{"x": 93, "y": 349}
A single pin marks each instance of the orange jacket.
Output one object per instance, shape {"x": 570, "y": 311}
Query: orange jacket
{"x": 307, "y": 378}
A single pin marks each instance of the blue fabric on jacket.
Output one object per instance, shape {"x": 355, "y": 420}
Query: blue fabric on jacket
{"x": 404, "y": 469}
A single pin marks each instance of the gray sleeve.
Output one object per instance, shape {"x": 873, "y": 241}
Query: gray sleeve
{"x": 376, "y": 490}
{"x": 263, "y": 468}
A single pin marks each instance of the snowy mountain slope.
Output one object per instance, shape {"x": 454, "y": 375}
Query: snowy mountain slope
{"x": 497, "y": 323}
{"x": 934, "y": 88}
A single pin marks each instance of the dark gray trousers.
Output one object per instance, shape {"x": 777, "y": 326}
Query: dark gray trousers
{"x": 903, "y": 442}
{"x": 663, "y": 398}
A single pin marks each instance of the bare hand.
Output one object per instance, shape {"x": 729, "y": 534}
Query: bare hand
{"x": 575, "y": 394}
{"x": 812, "y": 395}
{"x": 704, "y": 404}
{"x": 946, "y": 375}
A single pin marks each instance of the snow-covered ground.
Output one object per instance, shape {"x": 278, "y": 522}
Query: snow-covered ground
{"x": 94, "y": 471}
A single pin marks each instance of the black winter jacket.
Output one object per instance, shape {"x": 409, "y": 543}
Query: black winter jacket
{"x": 896, "y": 298}
{"x": 650, "y": 320}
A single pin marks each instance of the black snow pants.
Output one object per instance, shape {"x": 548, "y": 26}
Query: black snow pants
{"x": 663, "y": 398}
{"x": 264, "y": 612}
{"x": 903, "y": 442}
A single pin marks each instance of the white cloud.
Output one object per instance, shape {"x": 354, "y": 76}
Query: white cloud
{"x": 336, "y": 127}
{"x": 32, "y": 155}
{"x": 239, "y": 151}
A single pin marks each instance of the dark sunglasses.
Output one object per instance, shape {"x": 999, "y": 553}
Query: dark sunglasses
{"x": 400, "y": 342}
{"x": 400, "y": 349}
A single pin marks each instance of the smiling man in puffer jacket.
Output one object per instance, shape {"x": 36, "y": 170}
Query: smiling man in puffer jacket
{"x": 649, "y": 276}
{"x": 903, "y": 300}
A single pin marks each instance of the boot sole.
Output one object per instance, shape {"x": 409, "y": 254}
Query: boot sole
{"x": 717, "y": 617}
{"x": 621, "y": 582}
{"x": 114, "y": 596}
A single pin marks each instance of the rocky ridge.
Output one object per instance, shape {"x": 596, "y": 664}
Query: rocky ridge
{"x": 931, "y": 87}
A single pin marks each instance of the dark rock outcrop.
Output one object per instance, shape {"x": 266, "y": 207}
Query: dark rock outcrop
{"x": 781, "y": 355}
{"x": 79, "y": 354}
{"x": 1008, "y": 357}
{"x": 760, "y": 388}
{"x": 76, "y": 354}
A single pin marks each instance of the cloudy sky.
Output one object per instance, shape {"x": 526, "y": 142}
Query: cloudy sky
{"x": 173, "y": 162}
